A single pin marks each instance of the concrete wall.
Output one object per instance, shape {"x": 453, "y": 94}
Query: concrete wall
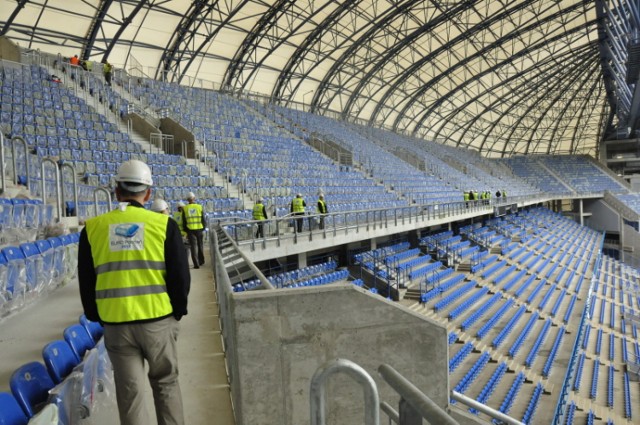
{"x": 143, "y": 126}
{"x": 169, "y": 126}
{"x": 603, "y": 217}
{"x": 9, "y": 50}
{"x": 280, "y": 339}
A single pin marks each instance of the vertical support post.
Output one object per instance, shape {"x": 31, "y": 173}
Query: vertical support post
{"x": 95, "y": 197}
{"x": 75, "y": 185}
{"x": 57, "y": 181}
{"x": 3, "y": 183}
{"x": 26, "y": 159}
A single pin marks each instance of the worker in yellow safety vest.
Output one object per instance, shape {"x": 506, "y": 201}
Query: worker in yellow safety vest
{"x": 297, "y": 209}
{"x": 194, "y": 223}
{"x": 133, "y": 274}
{"x": 259, "y": 214}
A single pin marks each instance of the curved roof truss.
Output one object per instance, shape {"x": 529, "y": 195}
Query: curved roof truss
{"x": 502, "y": 77}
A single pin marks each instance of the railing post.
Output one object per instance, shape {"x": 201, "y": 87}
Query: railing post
{"x": 26, "y": 159}
{"x": 75, "y": 184}
{"x": 3, "y": 183}
{"x": 95, "y": 197}
{"x": 57, "y": 181}
{"x": 317, "y": 390}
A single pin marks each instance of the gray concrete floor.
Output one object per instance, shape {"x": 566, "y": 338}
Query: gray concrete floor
{"x": 203, "y": 377}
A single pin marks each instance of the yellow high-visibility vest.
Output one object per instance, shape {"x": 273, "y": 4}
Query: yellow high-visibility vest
{"x": 127, "y": 246}
{"x": 193, "y": 214}
{"x": 258, "y": 212}
{"x": 298, "y": 207}
{"x": 177, "y": 216}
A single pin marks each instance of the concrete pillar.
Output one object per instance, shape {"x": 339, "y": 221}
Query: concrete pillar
{"x": 581, "y": 211}
{"x": 302, "y": 260}
{"x": 374, "y": 243}
{"x": 414, "y": 238}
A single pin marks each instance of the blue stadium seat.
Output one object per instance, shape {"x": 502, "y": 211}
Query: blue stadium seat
{"x": 79, "y": 340}
{"x": 30, "y": 385}
{"x": 59, "y": 359}
{"x": 94, "y": 329}
{"x": 10, "y": 411}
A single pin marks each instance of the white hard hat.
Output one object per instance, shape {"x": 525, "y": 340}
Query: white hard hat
{"x": 260, "y": 200}
{"x": 191, "y": 195}
{"x": 180, "y": 204}
{"x": 299, "y": 195}
{"x": 159, "y": 205}
{"x": 134, "y": 176}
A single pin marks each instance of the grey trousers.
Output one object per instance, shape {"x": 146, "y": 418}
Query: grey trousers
{"x": 129, "y": 345}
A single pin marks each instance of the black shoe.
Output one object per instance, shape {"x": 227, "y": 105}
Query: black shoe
{"x": 196, "y": 267}
{"x": 202, "y": 263}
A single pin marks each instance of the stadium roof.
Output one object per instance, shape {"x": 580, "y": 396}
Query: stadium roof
{"x": 502, "y": 77}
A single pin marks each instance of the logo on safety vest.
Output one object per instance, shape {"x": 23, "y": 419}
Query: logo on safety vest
{"x": 126, "y": 237}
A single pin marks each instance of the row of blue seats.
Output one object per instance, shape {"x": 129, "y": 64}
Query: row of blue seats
{"x": 34, "y": 384}
{"x": 533, "y": 351}
{"x": 480, "y": 311}
{"x": 472, "y": 374}
{"x": 454, "y": 295}
{"x": 466, "y": 304}
{"x": 414, "y": 274}
{"x": 438, "y": 275}
{"x": 33, "y": 268}
{"x": 492, "y": 269}
{"x": 503, "y": 274}
{"x": 506, "y": 404}
{"x": 414, "y": 262}
{"x": 482, "y": 332}
{"x": 533, "y": 404}
{"x": 483, "y": 263}
{"x": 459, "y": 357}
{"x": 491, "y": 385}
{"x": 536, "y": 291}
{"x": 401, "y": 256}
{"x": 439, "y": 289}
{"x": 515, "y": 347}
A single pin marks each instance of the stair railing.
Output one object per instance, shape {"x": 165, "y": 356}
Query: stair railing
{"x": 26, "y": 159}
{"x": 95, "y": 197}
{"x": 3, "y": 183}
{"x": 43, "y": 184}
{"x": 70, "y": 166}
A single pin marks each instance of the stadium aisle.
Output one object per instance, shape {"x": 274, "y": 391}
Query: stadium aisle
{"x": 203, "y": 377}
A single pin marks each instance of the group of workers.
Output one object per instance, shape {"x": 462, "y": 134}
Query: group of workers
{"x": 485, "y": 195}
{"x": 87, "y": 65}
{"x": 191, "y": 222}
{"x": 297, "y": 210}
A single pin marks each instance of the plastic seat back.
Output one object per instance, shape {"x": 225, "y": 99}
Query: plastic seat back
{"x": 94, "y": 329}
{"x": 30, "y": 385}
{"x": 79, "y": 340}
{"x": 59, "y": 359}
{"x": 10, "y": 411}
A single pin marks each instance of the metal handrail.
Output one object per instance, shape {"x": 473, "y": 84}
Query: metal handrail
{"x": 417, "y": 401}
{"x": 3, "y": 184}
{"x": 95, "y": 197}
{"x": 390, "y": 412}
{"x": 480, "y": 407}
{"x": 317, "y": 392}
{"x": 75, "y": 184}
{"x": 26, "y": 159}
{"x": 57, "y": 181}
